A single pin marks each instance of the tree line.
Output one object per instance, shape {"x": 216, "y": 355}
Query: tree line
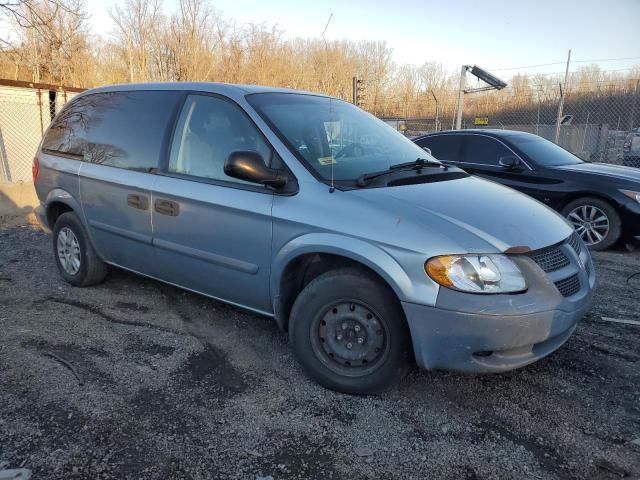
{"x": 51, "y": 42}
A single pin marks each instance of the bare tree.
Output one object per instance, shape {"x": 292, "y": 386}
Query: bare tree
{"x": 52, "y": 41}
{"x": 136, "y": 25}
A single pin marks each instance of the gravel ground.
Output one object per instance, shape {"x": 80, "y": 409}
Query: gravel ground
{"x": 177, "y": 386}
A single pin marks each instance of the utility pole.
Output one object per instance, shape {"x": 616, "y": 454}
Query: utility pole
{"x": 463, "y": 73}
{"x": 562, "y": 95}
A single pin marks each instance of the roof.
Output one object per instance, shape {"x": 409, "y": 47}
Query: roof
{"x": 227, "y": 89}
{"x": 492, "y": 132}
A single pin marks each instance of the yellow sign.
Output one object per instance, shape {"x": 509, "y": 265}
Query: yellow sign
{"x": 326, "y": 160}
{"x": 481, "y": 121}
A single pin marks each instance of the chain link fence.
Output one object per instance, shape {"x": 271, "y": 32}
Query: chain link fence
{"x": 601, "y": 124}
{"x": 25, "y": 113}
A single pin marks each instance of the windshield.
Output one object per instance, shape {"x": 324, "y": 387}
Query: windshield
{"x": 543, "y": 152}
{"x": 325, "y": 132}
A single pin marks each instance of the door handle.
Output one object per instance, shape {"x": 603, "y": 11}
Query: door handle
{"x": 141, "y": 202}
{"x": 167, "y": 207}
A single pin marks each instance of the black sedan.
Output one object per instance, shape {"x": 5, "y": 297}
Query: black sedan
{"x": 601, "y": 201}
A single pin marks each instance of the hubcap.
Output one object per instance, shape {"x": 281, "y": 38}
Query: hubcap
{"x": 350, "y": 338}
{"x": 68, "y": 251}
{"x": 591, "y": 223}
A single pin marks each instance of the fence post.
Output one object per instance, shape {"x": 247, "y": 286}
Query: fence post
{"x": 584, "y": 135}
{"x": 437, "y": 109}
{"x": 634, "y": 105}
{"x": 40, "y": 111}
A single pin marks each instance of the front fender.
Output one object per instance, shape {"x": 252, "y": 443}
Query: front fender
{"x": 355, "y": 249}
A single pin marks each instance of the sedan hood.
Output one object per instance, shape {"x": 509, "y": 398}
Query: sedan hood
{"x": 616, "y": 171}
{"x": 475, "y": 214}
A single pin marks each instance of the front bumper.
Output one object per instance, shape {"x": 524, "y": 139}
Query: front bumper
{"x": 494, "y": 333}
{"x": 450, "y": 340}
{"x": 630, "y": 216}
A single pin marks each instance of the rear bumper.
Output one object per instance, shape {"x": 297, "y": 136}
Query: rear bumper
{"x": 450, "y": 340}
{"x": 41, "y": 215}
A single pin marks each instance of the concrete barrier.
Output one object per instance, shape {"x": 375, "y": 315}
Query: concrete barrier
{"x": 17, "y": 199}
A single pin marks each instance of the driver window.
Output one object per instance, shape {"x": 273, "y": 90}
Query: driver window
{"x": 208, "y": 130}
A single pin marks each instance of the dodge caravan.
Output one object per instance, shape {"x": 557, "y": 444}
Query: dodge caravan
{"x": 370, "y": 253}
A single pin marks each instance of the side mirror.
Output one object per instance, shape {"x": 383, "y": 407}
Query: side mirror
{"x": 428, "y": 150}
{"x": 510, "y": 162}
{"x": 250, "y": 167}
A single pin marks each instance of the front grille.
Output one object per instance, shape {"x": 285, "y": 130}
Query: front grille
{"x": 550, "y": 259}
{"x": 568, "y": 286}
{"x": 576, "y": 243}
{"x": 587, "y": 268}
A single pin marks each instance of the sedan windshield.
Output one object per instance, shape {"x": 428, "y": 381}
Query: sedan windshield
{"x": 543, "y": 152}
{"x": 334, "y": 138}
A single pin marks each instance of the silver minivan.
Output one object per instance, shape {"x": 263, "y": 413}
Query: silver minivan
{"x": 371, "y": 254}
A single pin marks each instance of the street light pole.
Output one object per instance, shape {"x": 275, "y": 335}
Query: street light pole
{"x": 463, "y": 72}
{"x": 562, "y": 95}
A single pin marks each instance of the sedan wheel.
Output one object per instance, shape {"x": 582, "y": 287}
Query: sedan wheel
{"x": 591, "y": 223}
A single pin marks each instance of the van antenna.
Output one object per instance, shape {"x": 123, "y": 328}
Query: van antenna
{"x": 332, "y": 187}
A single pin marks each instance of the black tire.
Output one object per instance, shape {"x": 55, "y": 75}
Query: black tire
{"x": 92, "y": 270}
{"x": 349, "y": 294}
{"x": 615, "y": 225}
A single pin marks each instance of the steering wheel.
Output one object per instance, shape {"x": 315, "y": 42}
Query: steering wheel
{"x": 351, "y": 150}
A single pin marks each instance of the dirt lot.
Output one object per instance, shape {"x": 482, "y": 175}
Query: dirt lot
{"x": 178, "y": 386}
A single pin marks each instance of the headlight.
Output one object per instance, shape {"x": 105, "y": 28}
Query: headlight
{"x": 476, "y": 273}
{"x": 632, "y": 195}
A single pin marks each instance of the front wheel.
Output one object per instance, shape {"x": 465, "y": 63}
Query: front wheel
{"x": 349, "y": 332}
{"x": 596, "y": 221}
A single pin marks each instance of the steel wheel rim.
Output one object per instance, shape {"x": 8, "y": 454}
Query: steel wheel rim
{"x": 68, "y": 249}
{"x": 590, "y": 222}
{"x": 350, "y": 338}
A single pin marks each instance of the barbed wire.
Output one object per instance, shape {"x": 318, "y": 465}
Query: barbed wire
{"x": 597, "y": 60}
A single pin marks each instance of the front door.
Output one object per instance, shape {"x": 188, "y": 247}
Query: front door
{"x": 212, "y": 233}
{"x": 481, "y": 156}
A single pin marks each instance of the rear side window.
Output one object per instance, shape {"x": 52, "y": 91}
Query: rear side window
{"x": 119, "y": 129}
{"x": 443, "y": 147}
{"x": 484, "y": 150}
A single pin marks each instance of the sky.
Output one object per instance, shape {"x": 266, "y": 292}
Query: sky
{"x": 496, "y": 34}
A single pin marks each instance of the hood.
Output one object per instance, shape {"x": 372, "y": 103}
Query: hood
{"x": 475, "y": 214}
{"x": 631, "y": 174}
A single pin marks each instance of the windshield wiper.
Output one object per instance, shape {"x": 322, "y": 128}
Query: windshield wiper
{"x": 418, "y": 164}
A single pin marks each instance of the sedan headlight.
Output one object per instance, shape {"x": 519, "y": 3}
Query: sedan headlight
{"x": 632, "y": 195}
{"x": 492, "y": 273}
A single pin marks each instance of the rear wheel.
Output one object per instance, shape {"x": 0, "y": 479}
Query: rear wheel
{"x": 77, "y": 261}
{"x": 596, "y": 221}
{"x": 349, "y": 333}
